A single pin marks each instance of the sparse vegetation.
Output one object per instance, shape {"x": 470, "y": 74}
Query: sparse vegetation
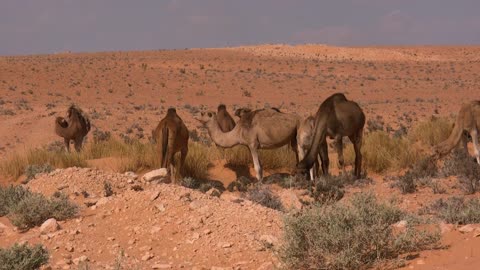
{"x": 382, "y": 152}
{"x": 282, "y": 157}
{"x": 465, "y": 168}
{"x": 27, "y": 209}
{"x": 23, "y": 257}
{"x": 455, "y": 210}
{"x": 32, "y": 170}
{"x": 349, "y": 236}
{"x": 264, "y": 196}
{"x": 432, "y": 131}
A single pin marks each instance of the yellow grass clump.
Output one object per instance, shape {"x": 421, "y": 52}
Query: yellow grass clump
{"x": 432, "y": 131}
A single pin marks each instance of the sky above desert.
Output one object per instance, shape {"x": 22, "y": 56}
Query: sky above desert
{"x": 48, "y": 26}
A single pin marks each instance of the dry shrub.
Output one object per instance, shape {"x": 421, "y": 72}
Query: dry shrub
{"x": 382, "y": 152}
{"x": 27, "y": 209}
{"x": 455, "y": 210}
{"x": 432, "y": 131}
{"x": 14, "y": 166}
{"x": 282, "y": 157}
{"x": 264, "y": 196}
{"x": 349, "y": 236}
{"x": 23, "y": 257}
{"x": 198, "y": 160}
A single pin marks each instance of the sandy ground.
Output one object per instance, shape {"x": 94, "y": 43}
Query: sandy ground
{"x": 122, "y": 91}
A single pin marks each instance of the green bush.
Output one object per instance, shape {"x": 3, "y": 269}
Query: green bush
{"x": 349, "y": 236}
{"x": 23, "y": 257}
{"x": 10, "y": 196}
{"x": 32, "y": 170}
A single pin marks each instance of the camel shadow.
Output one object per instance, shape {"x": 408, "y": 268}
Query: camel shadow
{"x": 240, "y": 170}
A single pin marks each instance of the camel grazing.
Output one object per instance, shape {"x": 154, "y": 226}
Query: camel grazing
{"x": 225, "y": 121}
{"x": 171, "y": 136}
{"x": 468, "y": 119}
{"x": 304, "y": 142}
{"x": 73, "y": 128}
{"x": 259, "y": 129}
{"x": 336, "y": 117}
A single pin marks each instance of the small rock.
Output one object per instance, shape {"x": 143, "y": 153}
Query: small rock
{"x": 155, "y": 229}
{"x": 161, "y": 266}
{"x": 155, "y": 175}
{"x": 195, "y": 205}
{"x": 160, "y": 207}
{"x": 102, "y": 201}
{"x": 226, "y": 245}
{"x": 207, "y": 232}
{"x": 131, "y": 175}
{"x": 401, "y": 224}
{"x": 154, "y": 195}
{"x": 80, "y": 259}
{"x": 269, "y": 240}
{"x": 467, "y": 228}
{"x": 147, "y": 256}
{"x": 69, "y": 247}
{"x": 50, "y": 225}
{"x": 213, "y": 192}
{"x": 420, "y": 262}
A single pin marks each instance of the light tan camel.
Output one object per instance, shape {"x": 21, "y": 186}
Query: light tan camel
{"x": 74, "y": 127}
{"x": 336, "y": 117}
{"x": 468, "y": 119}
{"x": 171, "y": 136}
{"x": 304, "y": 142}
{"x": 259, "y": 129}
{"x": 225, "y": 121}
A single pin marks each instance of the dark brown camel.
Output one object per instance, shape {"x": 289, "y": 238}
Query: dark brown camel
{"x": 336, "y": 117}
{"x": 73, "y": 128}
{"x": 171, "y": 136}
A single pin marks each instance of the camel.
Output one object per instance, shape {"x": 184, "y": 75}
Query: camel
{"x": 242, "y": 111}
{"x": 259, "y": 129}
{"x": 171, "y": 136}
{"x": 225, "y": 121}
{"x": 304, "y": 142}
{"x": 73, "y": 128}
{"x": 337, "y": 117}
{"x": 468, "y": 119}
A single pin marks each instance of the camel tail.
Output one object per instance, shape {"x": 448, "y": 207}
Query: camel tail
{"x": 446, "y": 146}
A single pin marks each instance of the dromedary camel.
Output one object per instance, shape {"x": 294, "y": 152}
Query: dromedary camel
{"x": 336, "y": 117}
{"x": 259, "y": 129}
{"x": 171, "y": 136}
{"x": 225, "y": 121}
{"x": 74, "y": 127}
{"x": 468, "y": 119}
{"x": 304, "y": 141}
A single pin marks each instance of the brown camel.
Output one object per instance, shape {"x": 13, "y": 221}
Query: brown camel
{"x": 73, "y": 128}
{"x": 336, "y": 117}
{"x": 171, "y": 136}
{"x": 259, "y": 129}
{"x": 225, "y": 121}
{"x": 468, "y": 119}
{"x": 304, "y": 141}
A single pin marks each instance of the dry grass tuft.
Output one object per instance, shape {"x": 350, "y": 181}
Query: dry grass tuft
{"x": 432, "y": 131}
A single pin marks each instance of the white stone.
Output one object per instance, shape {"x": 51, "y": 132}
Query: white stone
{"x": 155, "y": 175}
{"x": 49, "y": 226}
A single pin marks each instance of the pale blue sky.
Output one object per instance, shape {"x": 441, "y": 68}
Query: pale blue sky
{"x": 46, "y": 26}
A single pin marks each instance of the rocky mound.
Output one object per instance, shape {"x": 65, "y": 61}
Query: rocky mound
{"x": 153, "y": 226}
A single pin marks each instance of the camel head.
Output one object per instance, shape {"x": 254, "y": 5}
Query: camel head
{"x": 206, "y": 117}
{"x": 242, "y": 111}
{"x": 61, "y": 122}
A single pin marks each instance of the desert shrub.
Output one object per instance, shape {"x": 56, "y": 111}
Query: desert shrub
{"x": 23, "y": 257}
{"x": 352, "y": 235}
{"x": 107, "y": 189}
{"x": 419, "y": 173}
{"x": 460, "y": 164}
{"x": 32, "y": 170}
{"x": 432, "y": 131}
{"x": 406, "y": 183}
{"x": 11, "y": 195}
{"x": 190, "y": 182}
{"x": 27, "y": 209}
{"x": 264, "y": 196}
{"x": 382, "y": 152}
{"x": 328, "y": 189}
{"x": 455, "y": 210}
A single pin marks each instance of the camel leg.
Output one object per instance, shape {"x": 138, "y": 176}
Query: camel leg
{"x": 67, "y": 144}
{"x": 301, "y": 154}
{"x": 296, "y": 149}
{"x": 357, "y": 144}
{"x": 339, "y": 147}
{"x": 78, "y": 144}
{"x": 476, "y": 148}
{"x": 256, "y": 163}
{"x": 323, "y": 150}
